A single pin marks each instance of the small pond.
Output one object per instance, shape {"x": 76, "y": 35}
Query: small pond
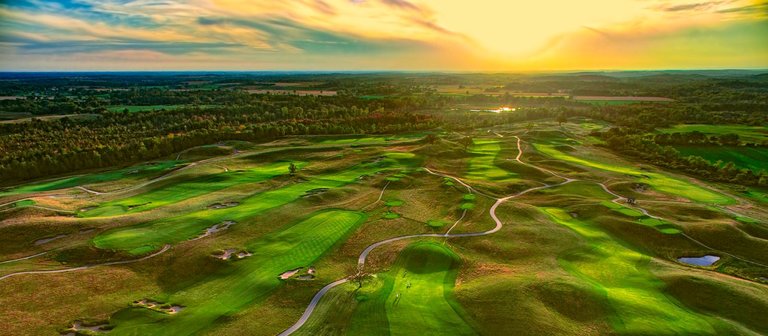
{"x": 706, "y": 260}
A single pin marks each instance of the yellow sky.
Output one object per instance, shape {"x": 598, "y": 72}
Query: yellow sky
{"x": 496, "y": 35}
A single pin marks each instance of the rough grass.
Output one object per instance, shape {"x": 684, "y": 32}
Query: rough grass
{"x": 621, "y": 274}
{"x": 659, "y": 181}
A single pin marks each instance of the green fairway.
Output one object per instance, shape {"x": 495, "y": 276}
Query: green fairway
{"x": 188, "y": 188}
{"x": 482, "y": 165}
{"x": 143, "y": 170}
{"x": 753, "y": 158}
{"x": 756, "y": 134}
{"x": 621, "y": 275}
{"x": 144, "y": 237}
{"x": 414, "y": 297}
{"x": 659, "y": 181}
{"x": 248, "y": 281}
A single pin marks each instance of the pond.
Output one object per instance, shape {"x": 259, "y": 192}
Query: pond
{"x": 706, "y": 260}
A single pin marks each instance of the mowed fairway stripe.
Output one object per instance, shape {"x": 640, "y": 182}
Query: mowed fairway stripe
{"x": 482, "y": 166}
{"x": 252, "y": 279}
{"x": 417, "y": 296}
{"x": 621, "y": 274}
{"x": 659, "y": 181}
{"x": 189, "y": 188}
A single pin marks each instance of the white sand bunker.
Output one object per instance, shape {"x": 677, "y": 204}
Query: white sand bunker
{"x": 216, "y": 228}
{"x": 223, "y": 205}
{"x": 78, "y": 326}
{"x": 158, "y": 306}
{"x": 294, "y": 274}
{"x": 230, "y": 254}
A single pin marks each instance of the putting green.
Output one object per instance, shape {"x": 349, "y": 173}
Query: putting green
{"x": 144, "y": 170}
{"x": 621, "y": 275}
{"x": 414, "y": 297}
{"x": 144, "y": 237}
{"x": 482, "y": 165}
{"x": 189, "y": 188}
{"x": 248, "y": 281}
{"x": 659, "y": 181}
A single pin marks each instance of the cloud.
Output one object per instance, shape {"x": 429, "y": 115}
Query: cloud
{"x": 482, "y": 34}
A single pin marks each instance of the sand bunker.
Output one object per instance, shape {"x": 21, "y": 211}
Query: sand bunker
{"x": 308, "y": 275}
{"x": 315, "y": 191}
{"x": 230, "y": 254}
{"x": 216, "y": 228}
{"x": 288, "y": 274}
{"x": 158, "y": 306}
{"x": 80, "y": 326}
{"x": 223, "y": 205}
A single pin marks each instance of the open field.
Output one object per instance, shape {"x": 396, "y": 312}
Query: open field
{"x": 614, "y": 100}
{"x": 521, "y": 232}
{"x": 753, "y": 158}
{"x": 756, "y": 134}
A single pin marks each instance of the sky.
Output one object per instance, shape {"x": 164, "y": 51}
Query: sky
{"x": 362, "y": 35}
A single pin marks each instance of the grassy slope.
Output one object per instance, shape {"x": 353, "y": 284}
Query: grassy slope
{"x": 246, "y": 281}
{"x": 143, "y": 170}
{"x": 659, "y": 181}
{"x": 145, "y": 237}
{"x": 188, "y": 188}
{"x": 482, "y": 166}
{"x": 428, "y": 305}
{"x": 622, "y": 276}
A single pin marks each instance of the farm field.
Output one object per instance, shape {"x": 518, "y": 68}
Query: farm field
{"x": 753, "y": 158}
{"x": 527, "y": 229}
{"x": 755, "y": 134}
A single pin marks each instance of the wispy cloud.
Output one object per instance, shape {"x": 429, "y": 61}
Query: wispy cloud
{"x": 402, "y": 34}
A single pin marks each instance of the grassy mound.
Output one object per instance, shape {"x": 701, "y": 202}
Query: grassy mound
{"x": 139, "y": 171}
{"x": 144, "y": 237}
{"x": 183, "y": 188}
{"x": 659, "y": 181}
{"x": 414, "y": 296}
{"x": 249, "y": 280}
{"x": 636, "y": 296}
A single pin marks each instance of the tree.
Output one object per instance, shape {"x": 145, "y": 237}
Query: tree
{"x": 466, "y": 141}
{"x": 292, "y": 169}
{"x": 561, "y": 118}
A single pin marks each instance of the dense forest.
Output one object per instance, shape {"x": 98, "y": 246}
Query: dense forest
{"x": 97, "y": 127}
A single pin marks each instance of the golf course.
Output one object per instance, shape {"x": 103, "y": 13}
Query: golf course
{"x": 517, "y": 229}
